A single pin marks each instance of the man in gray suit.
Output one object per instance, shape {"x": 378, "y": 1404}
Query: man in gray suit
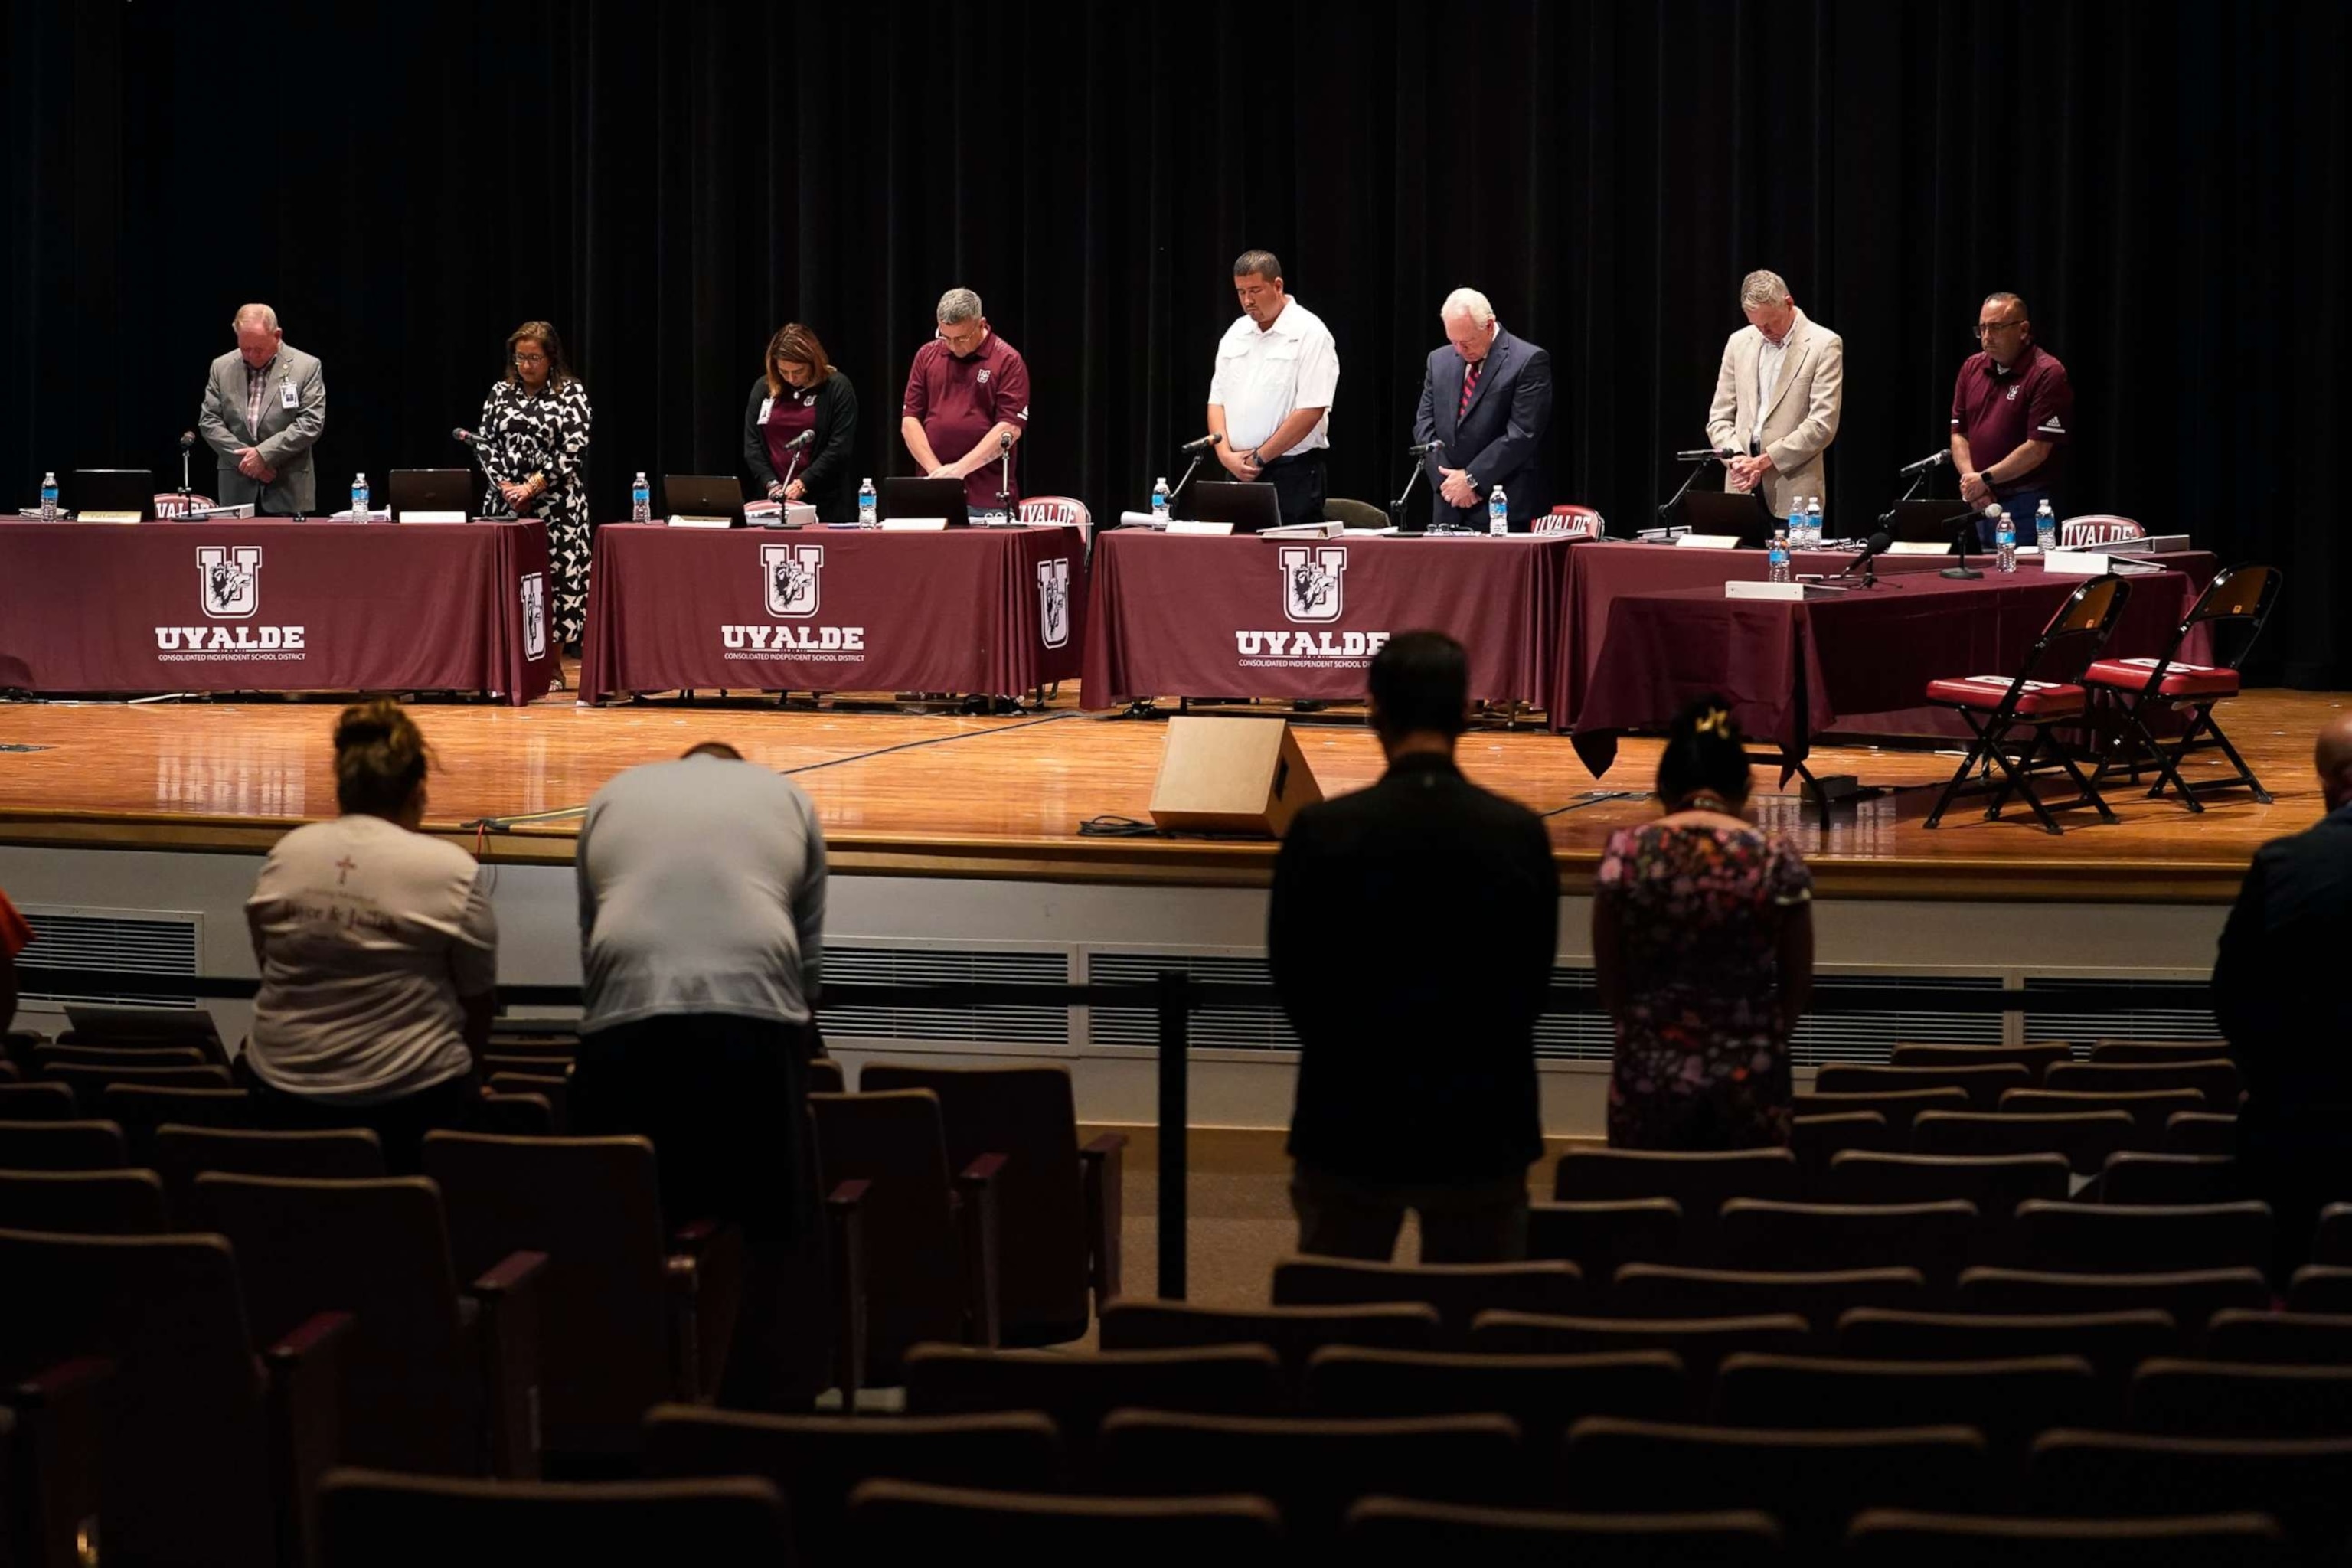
{"x": 264, "y": 407}
{"x": 1777, "y": 397}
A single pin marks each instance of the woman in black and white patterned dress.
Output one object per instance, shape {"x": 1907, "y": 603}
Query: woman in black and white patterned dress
{"x": 534, "y": 440}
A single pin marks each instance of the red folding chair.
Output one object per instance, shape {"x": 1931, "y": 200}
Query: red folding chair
{"x": 2133, "y": 687}
{"x": 2046, "y": 692}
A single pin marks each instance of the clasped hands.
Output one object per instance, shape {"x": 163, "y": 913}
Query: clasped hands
{"x": 249, "y": 463}
{"x": 1745, "y": 473}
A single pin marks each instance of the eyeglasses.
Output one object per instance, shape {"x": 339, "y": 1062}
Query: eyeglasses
{"x": 530, "y": 359}
{"x": 1986, "y": 328}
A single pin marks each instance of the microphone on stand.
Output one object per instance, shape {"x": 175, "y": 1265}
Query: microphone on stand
{"x": 1703, "y": 454}
{"x": 1203, "y": 444}
{"x": 1878, "y": 544}
{"x": 1424, "y": 448}
{"x": 800, "y": 440}
{"x": 1932, "y": 459}
{"x": 1964, "y": 535}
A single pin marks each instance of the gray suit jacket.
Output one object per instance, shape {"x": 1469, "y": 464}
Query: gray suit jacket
{"x": 1802, "y": 418}
{"x": 284, "y": 439}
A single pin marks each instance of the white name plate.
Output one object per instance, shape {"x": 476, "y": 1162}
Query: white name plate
{"x": 1791, "y": 593}
{"x": 914, "y": 525}
{"x": 2076, "y": 563}
{"x": 1918, "y": 547}
{"x": 1201, "y": 530}
{"x": 434, "y": 516}
{"x": 681, "y": 521}
{"x": 1707, "y": 541}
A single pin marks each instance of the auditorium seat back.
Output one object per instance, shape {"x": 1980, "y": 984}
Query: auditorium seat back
{"x": 61, "y": 1146}
{"x": 1459, "y": 1292}
{"x": 373, "y": 1519}
{"x": 82, "y": 1203}
{"x": 907, "y": 1521}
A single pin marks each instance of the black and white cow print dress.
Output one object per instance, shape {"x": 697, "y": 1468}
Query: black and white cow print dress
{"x": 524, "y": 434}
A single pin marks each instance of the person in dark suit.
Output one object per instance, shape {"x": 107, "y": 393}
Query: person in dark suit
{"x": 2285, "y": 1016}
{"x": 1486, "y": 396}
{"x": 1411, "y": 933}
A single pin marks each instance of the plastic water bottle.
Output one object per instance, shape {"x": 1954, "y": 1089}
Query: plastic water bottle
{"x": 867, "y": 516}
{"x": 359, "y": 498}
{"x": 1813, "y": 523}
{"x": 2004, "y": 542}
{"x": 1777, "y": 559}
{"x": 1160, "y": 503}
{"x": 1498, "y": 513}
{"x": 2045, "y": 528}
{"x": 641, "y": 498}
{"x": 48, "y": 498}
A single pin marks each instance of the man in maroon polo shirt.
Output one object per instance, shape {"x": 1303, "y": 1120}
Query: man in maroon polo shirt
{"x": 2011, "y": 412}
{"x": 967, "y": 404}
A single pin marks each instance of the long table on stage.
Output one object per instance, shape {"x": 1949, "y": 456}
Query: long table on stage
{"x": 1793, "y": 670}
{"x": 1201, "y": 615}
{"x": 259, "y": 604}
{"x": 997, "y": 611}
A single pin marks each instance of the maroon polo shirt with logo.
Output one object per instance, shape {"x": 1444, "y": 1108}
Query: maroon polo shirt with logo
{"x": 960, "y": 400}
{"x": 2000, "y": 410}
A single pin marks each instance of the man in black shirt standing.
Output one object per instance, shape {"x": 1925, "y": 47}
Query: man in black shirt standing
{"x": 1411, "y": 933}
{"x": 2287, "y": 1015}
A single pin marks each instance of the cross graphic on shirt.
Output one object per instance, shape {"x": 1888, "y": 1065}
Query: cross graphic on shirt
{"x": 343, "y": 868}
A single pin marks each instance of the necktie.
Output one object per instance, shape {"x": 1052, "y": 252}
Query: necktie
{"x": 1469, "y": 385}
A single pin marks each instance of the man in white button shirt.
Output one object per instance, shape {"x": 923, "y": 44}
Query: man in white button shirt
{"x": 1777, "y": 397}
{"x": 1270, "y": 398}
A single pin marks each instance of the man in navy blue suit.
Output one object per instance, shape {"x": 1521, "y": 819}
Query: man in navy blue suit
{"x": 1486, "y": 396}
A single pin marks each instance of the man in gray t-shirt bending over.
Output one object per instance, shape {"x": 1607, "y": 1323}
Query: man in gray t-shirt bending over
{"x": 701, "y": 928}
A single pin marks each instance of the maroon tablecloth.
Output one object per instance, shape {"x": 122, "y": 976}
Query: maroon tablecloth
{"x": 1599, "y": 573}
{"x": 1796, "y": 670}
{"x": 991, "y": 610}
{"x": 263, "y": 605}
{"x": 1190, "y": 616}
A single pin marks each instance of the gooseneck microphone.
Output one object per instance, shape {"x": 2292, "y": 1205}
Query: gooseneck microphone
{"x": 1203, "y": 444}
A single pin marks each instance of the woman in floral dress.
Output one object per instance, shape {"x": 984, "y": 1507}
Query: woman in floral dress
{"x": 534, "y": 444}
{"x": 1703, "y": 954}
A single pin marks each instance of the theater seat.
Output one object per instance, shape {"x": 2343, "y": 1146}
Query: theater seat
{"x": 1895, "y": 1539}
{"x": 1396, "y": 1532}
{"x": 906, "y": 1521}
{"x": 372, "y": 1519}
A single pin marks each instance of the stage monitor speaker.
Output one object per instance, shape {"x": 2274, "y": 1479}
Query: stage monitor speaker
{"x": 1230, "y": 775}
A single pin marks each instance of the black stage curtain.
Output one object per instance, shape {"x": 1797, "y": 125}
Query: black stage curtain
{"x": 407, "y": 179}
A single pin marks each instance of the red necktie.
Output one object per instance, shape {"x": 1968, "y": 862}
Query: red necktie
{"x": 1469, "y": 385}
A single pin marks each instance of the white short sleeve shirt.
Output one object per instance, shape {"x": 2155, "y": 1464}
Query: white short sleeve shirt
{"x": 1262, "y": 377}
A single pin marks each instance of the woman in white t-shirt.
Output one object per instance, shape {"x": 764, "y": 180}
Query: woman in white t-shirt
{"x": 378, "y": 953}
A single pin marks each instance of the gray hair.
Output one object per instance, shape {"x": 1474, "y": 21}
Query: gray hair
{"x": 1467, "y": 302}
{"x": 261, "y": 313}
{"x": 959, "y": 305}
{"x": 2005, "y": 297}
{"x": 1759, "y": 290}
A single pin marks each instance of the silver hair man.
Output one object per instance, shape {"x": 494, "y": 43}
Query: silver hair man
{"x": 1760, "y": 289}
{"x": 1467, "y": 302}
{"x": 260, "y": 315}
{"x": 959, "y": 305}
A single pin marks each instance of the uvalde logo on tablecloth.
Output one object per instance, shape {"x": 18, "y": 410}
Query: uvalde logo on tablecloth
{"x": 229, "y": 588}
{"x": 1053, "y": 600}
{"x": 791, "y": 579}
{"x": 534, "y": 616}
{"x": 1314, "y": 590}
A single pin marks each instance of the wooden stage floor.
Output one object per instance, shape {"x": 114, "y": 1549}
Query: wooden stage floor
{"x": 937, "y": 794}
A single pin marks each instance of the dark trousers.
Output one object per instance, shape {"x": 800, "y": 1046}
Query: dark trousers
{"x": 1469, "y": 1222}
{"x": 722, "y": 1099}
{"x": 400, "y": 1125}
{"x": 1297, "y": 478}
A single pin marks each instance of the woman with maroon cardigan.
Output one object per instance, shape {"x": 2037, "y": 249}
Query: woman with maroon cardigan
{"x": 798, "y": 393}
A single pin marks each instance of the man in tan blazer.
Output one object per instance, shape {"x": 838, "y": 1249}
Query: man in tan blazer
{"x": 1777, "y": 397}
{"x": 265, "y": 404}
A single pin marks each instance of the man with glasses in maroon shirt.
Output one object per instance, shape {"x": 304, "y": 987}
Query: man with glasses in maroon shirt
{"x": 967, "y": 395}
{"x": 2011, "y": 413}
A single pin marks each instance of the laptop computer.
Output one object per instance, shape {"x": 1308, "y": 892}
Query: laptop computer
{"x": 703, "y": 495}
{"x": 1249, "y": 505}
{"x": 110, "y": 489}
{"x": 434, "y": 489}
{"x": 1926, "y": 521}
{"x": 903, "y": 498}
{"x": 1740, "y": 513}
